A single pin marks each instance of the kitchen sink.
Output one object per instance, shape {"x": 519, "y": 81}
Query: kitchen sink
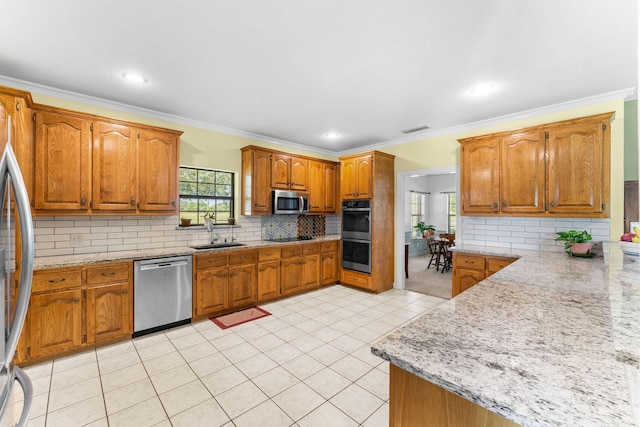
{"x": 217, "y": 245}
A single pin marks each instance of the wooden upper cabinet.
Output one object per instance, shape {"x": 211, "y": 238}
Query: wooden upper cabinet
{"x": 4, "y": 127}
{"x": 289, "y": 173}
{"x": 256, "y": 182}
{"x": 480, "y": 176}
{"x": 322, "y": 187}
{"x": 114, "y": 167}
{"x": 316, "y": 186}
{"x": 62, "y": 162}
{"x": 522, "y": 180}
{"x": 558, "y": 169}
{"x": 158, "y": 171}
{"x": 576, "y": 168}
{"x": 356, "y": 177}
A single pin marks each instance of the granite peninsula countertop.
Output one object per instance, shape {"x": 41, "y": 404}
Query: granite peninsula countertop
{"x": 94, "y": 258}
{"x": 548, "y": 341}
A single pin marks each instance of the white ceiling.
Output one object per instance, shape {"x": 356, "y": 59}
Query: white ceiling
{"x": 294, "y": 70}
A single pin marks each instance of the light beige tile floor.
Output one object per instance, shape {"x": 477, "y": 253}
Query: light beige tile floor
{"x": 308, "y": 364}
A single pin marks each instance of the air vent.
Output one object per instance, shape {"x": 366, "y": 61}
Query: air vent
{"x": 416, "y": 129}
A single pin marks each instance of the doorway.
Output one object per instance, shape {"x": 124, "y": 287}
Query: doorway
{"x": 430, "y": 196}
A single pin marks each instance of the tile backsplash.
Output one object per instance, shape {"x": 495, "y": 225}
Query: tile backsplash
{"x": 75, "y": 235}
{"x": 530, "y": 233}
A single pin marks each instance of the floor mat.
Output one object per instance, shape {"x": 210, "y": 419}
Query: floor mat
{"x": 239, "y": 317}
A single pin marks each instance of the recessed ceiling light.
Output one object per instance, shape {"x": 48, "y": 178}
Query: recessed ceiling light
{"x": 483, "y": 89}
{"x": 332, "y": 135}
{"x": 135, "y": 78}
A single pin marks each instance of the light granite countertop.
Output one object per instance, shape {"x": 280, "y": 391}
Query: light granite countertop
{"x": 548, "y": 341}
{"x": 74, "y": 260}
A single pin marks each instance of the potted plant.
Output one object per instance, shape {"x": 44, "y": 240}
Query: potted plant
{"x": 429, "y": 229}
{"x": 575, "y": 242}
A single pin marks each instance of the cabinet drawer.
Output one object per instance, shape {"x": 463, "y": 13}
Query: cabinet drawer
{"x": 243, "y": 257}
{"x": 311, "y": 249}
{"x": 497, "y": 264}
{"x": 353, "y": 278}
{"x": 328, "y": 246}
{"x": 291, "y": 251}
{"x": 205, "y": 261}
{"x": 108, "y": 273}
{"x": 268, "y": 254}
{"x": 54, "y": 279}
{"x": 475, "y": 262}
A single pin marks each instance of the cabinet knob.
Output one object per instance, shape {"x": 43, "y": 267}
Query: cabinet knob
{"x": 83, "y": 201}
{"x": 495, "y": 204}
{"x": 504, "y": 204}
{"x": 132, "y": 202}
{"x": 553, "y": 203}
{"x": 173, "y": 203}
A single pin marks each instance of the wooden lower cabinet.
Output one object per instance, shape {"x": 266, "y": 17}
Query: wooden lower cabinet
{"x": 354, "y": 278}
{"x": 224, "y": 280}
{"x": 269, "y": 275}
{"x": 414, "y": 401}
{"x": 55, "y": 323}
{"x": 72, "y": 308}
{"x": 291, "y": 275}
{"x": 471, "y": 269}
{"x": 328, "y": 262}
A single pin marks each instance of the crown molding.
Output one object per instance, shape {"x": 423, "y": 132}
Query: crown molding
{"x": 626, "y": 94}
{"x": 126, "y": 108}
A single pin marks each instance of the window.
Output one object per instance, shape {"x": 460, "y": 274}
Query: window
{"x": 206, "y": 191}
{"x": 452, "y": 212}
{"x": 418, "y": 201}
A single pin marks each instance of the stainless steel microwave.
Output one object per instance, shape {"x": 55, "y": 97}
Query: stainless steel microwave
{"x": 290, "y": 203}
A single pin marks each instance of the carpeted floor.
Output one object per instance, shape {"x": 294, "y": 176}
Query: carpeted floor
{"x": 427, "y": 281}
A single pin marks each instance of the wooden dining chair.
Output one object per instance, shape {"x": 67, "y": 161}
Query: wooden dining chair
{"x": 447, "y": 240}
{"x": 434, "y": 251}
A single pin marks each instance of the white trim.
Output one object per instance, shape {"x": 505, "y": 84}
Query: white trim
{"x": 118, "y": 106}
{"x": 126, "y": 108}
{"x": 568, "y": 105}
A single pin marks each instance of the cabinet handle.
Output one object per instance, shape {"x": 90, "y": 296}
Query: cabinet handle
{"x": 504, "y": 204}
{"x": 553, "y": 203}
{"x": 125, "y": 292}
{"x": 132, "y": 203}
{"x": 83, "y": 201}
{"x": 173, "y": 203}
{"x": 76, "y": 300}
{"x": 57, "y": 281}
{"x": 108, "y": 274}
{"x": 495, "y": 204}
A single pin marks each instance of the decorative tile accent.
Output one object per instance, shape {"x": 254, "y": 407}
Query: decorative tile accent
{"x": 311, "y": 225}
{"x": 279, "y": 226}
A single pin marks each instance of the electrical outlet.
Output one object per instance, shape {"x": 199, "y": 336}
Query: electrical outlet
{"x": 77, "y": 239}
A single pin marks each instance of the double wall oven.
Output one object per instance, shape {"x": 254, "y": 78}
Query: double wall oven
{"x": 356, "y": 235}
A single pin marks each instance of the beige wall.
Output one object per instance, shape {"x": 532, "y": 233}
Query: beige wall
{"x": 444, "y": 150}
{"x": 206, "y": 148}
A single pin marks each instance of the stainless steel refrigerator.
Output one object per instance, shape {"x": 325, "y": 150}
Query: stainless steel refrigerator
{"x": 15, "y": 219}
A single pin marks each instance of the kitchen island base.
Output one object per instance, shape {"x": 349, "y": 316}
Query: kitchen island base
{"x": 417, "y": 402}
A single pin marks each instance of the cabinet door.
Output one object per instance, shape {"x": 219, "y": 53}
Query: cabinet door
{"x": 364, "y": 176}
{"x": 260, "y": 188}
{"x": 316, "y": 187}
{"x": 268, "y": 280}
{"x": 299, "y": 174}
{"x": 55, "y": 322}
{"x": 348, "y": 178}
{"x": 109, "y": 312}
{"x": 464, "y": 279}
{"x": 114, "y": 167}
{"x": 329, "y": 268}
{"x": 212, "y": 290}
{"x": 522, "y": 173}
{"x": 291, "y": 276}
{"x": 575, "y": 183}
{"x": 280, "y": 168}
{"x": 158, "y": 170}
{"x": 62, "y": 163}
{"x": 480, "y": 177}
{"x": 242, "y": 285}
{"x": 4, "y": 122}
{"x": 310, "y": 271}
{"x": 329, "y": 171}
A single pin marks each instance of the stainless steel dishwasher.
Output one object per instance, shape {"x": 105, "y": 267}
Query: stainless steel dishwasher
{"x": 162, "y": 293}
